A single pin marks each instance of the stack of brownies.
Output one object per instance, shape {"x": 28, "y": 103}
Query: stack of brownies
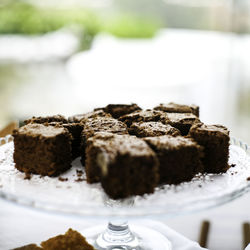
{"x": 128, "y": 150}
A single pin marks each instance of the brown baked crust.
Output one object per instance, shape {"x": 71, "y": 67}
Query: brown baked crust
{"x": 70, "y": 240}
{"x": 41, "y": 149}
{"x": 46, "y": 119}
{"x": 181, "y": 121}
{"x": 215, "y": 140}
{"x": 118, "y": 110}
{"x": 179, "y": 158}
{"x": 74, "y": 129}
{"x": 149, "y": 129}
{"x": 172, "y": 107}
{"x": 143, "y": 116}
{"x": 93, "y": 114}
{"x": 124, "y": 164}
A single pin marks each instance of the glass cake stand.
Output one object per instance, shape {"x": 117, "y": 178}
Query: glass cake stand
{"x": 72, "y": 195}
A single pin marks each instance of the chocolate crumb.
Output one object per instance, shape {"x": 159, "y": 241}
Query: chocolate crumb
{"x": 27, "y": 176}
{"x": 200, "y": 185}
{"x": 80, "y": 179}
{"x": 79, "y": 173}
{"x": 233, "y": 165}
{"x": 248, "y": 178}
{"x": 62, "y": 179}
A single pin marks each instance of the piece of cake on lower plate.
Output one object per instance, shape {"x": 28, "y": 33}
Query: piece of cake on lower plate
{"x": 149, "y": 129}
{"x": 143, "y": 116}
{"x": 182, "y": 121}
{"x": 71, "y": 240}
{"x": 125, "y": 165}
{"x": 178, "y": 108}
{"x": 41, "y": 149}
{"x": 179, "y": 158}
{"x": 28, "y": 247}
{"x": 215, "y": 140}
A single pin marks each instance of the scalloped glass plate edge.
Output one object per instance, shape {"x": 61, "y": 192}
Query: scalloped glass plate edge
{"x": 130, "y": 211}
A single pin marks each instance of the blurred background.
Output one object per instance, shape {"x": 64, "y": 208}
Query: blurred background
{"x": 68, "y": 57}
{"x": 72, "y": 56}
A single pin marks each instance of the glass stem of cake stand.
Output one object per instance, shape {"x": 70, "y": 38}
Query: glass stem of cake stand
{"x": 117, "y": 234}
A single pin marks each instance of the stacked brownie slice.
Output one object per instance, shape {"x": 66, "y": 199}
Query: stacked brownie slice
{"x": 125, "y": 165}
{"x": 100, "y": 124}
{"x": 128, "y": 150}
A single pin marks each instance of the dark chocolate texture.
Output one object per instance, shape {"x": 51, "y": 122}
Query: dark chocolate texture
{"x": 182, "y": 121}
{"x": 178, "y": 108}
{"x": 143, "y": 116}
{"x": 118, "y": 110}
{"x": 215, "y": 140}
{"x": 146, "y": 129}
{"x": 48, "y": 119}
{"x": 100, "y": 124}
{"x": 40, "y": 149}
{"x": 82, "y": 117}
{"x": 179, "y": 158}
{"x": 124, "y": 164}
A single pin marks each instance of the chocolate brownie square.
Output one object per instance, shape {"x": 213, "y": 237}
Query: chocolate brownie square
{"x": 40, "y": 149}
{"x": 93, "y": 114}
{"x": 182, "y": 121}
{"x": 150, "y": 129}
{"x": 74, "y": 129}
{"x": 124, "y": 164}
{"x": 70, "y": 240}
{"x": 118, "y": 110}
{"x": 179, "y": 158}
{"x": 48, "y": 119}
{"x": 143, "y": 116}
{"x": 178, "y": 108}
{"x": 215, "y": 140}
{"x": 100, "y": 124}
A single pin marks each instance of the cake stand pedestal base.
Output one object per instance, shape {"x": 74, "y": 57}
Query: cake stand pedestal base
{"x": 139, "y": 238}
